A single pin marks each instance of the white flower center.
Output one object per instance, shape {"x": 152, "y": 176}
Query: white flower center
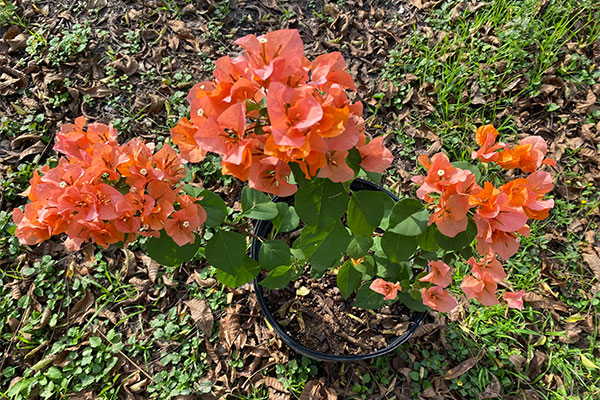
{"x": 200, "y": 112}
{"x": 143, "y": 171}
{"x": 63, "y": 185}
{"x": 186, "y": 224}
{"x": 262, "y": 40}
{"x": 441, "y": 172}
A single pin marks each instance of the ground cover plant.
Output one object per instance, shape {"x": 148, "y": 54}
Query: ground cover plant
{"x": 526, "y": 66}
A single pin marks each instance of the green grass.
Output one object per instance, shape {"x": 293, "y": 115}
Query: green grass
{"x": 451, "y": 57}
{"x": 504, "y": 43}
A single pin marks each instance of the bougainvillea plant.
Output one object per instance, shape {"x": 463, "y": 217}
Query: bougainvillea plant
{"x": 287, "y": 126}
{"x": 108, "y": 193}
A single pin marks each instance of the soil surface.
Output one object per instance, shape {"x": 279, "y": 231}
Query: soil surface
{"x": 323, "y": 320}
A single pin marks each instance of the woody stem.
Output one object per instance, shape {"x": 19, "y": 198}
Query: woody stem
{"x": 241, "y": 229}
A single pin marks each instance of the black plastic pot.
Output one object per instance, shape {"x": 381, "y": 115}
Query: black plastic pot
{"x": 262, "y": 229}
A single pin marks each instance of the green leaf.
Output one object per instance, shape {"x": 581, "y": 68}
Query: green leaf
{"x": 359, "y": 246}
{"x": 324, "y": 247}
{"x": 348, "y": 278}
{"x": 398, "y": 247}
{"x": 95, "y": 341}
{"x": 469, "y": 167}
{"x": 367, "y": 268}
{"x": 461, "y": 240}
{"x": 54, "y": 373}
{"x": 166, "y": 252}
{"x": 256, "y": 205}
{"x": 320, "y": 202}
{"x": 226, "y": 251}
{"x": 204, "y": 386}
{"x": 409, "y": 218}
{"x": 273, "y": 253}
{"x": 365, "y": 211}
{"x": 245, "y": 273}
{"x": 366, "y": 298}
{"x": 215, "y": 208}
{"x": 411, "y": 302}
{"x": 426, "y": 240}
{"x": 298, "y": 175}
{"x": 193, "y": 191}
{"x": 388, "y": 206}
{"x": 279, "y": 277}
{"x": 393, "y": 271}
{"x": 353, "y": 160}
{"x": 287, "y": 219}
{"x": 374, "y": 177}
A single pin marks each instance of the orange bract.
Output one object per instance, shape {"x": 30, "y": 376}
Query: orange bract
{"x": 387, "y": 289}
{"x": 499, "y": 213}
{"x": 103, "y": 190}
{"x": 438, "y": 299}
{"x": 271, "y": 102}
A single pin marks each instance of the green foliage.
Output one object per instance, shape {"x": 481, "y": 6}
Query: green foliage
{"x": 256, "y": 205}
{"x": 409, "y": 218}
{"x": 166, "y": 252}
{"x": 324, "y": 247}
{"x": 226, "y": 251}
{"x": 286, "y": 220}
{"x": 280, "y": 276}
{"x": 461, "y": 240}
{"x": 366, "y": 298}
{"x": 274, "y": 253}
{"x": 348, "y": 278}
{"x": 398, "y": 247}
{"x": 359, "y": 246}
{"x": 216, "y": 210}
{"x": 320, "y": 202}
{"x": 365, "y": 211}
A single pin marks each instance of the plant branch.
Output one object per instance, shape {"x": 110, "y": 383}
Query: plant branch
{"x": 241, "y": 229}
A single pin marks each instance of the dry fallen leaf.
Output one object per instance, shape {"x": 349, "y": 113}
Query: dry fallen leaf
{"x": 82, "y": 305}
{"x": 202, "y": 315}
{"x": 582, "y": 106}
{"x": 463, "y": 367}
{"x": 590, "y": 256}
{"x": 230, "y": 330}
{"x": 273, "y": 383}
{"x": 152, "y": 267}
{"x": 417, "y": 3}
{"x": 492, "y": 391}
{"x": 311, "y": 390}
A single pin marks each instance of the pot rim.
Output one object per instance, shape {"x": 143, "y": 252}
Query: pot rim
{"x": 262, "y": 228}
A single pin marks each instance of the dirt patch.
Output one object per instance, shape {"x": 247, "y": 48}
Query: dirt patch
{"x": 324, "y": 321}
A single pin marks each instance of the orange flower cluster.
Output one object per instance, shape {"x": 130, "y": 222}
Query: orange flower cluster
{"x": 106, "y": 192}
{"x": 271, "y": 106}
{"x": 435, "y": 296}
{"x": 387, "y": 289}
{"x": 499, "y": 213}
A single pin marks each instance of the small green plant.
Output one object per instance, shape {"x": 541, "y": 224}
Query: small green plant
{"x": 9, "y": 14}
{"x": 73, "y": 41}
{"x": 296, "y": 373}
